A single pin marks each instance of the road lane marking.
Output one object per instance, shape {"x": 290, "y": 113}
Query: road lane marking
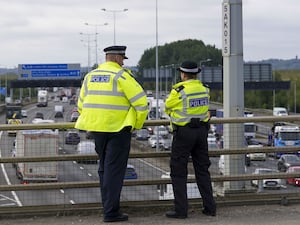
{"x": 14, "y": 194}
{"x": 151, "y": 165}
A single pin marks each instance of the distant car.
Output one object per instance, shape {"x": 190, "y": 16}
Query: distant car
{"x": 64, "y": 99}
{"x": 211, "y": 137}
{"x": 161, "y": 130}
{"x": 295, "y": 180}
{"x": 74, "y": 116}
{"x": 130, "y": 172}
{"x": 39, "y": 115}
{"x": 167, "y": 142}
{"x": 86, "y": 147}
{"x": 59, "y": 114}
{"x": 18, "y": 102}
{"x": 23, "y": 113}
{"x": 258, "y": 156}
{"x": 287, "y": 160}
{"x": 89, "y": 135}
{"x": 142, "y": 134}
{"x": 267, "y": 183}
{"x": 72, "y": 138}
{"x": 153, "y": 139}
{"x": 72, "y": 101}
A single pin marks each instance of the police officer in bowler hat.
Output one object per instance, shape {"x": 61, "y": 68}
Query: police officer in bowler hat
{"x": 187, "y": 106}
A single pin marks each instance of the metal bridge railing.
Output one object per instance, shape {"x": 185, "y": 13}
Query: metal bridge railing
{"x": 232, "y": 198}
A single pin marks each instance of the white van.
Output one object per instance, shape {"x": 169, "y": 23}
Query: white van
{"x": 58, "y": 108}
{"x": 280, "y": 111}
{"x": 86, "y": 147}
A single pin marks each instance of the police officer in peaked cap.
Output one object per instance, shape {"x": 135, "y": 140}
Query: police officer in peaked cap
{"x": 117, "y": 50}
{"x": 111, "y": 105}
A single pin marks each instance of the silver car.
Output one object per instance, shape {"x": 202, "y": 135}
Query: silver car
{"x": 272, "y": 183}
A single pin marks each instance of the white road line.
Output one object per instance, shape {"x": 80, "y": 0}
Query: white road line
{"x": 8, "y": 204}
{"x": 17, "y": 200}
{"x": 149, "y": 164}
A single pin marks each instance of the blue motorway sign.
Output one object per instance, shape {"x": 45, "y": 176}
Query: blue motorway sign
{"x": 49, "y": 71}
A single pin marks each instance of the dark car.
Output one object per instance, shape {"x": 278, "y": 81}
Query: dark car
{"x": 72, "y": 101}
{"x": 72, "y": 138}
{"x": 130, "y": 172}
{"x": 59, "y": 114}
{"x": 39, "y": 115}
{"x": 287, "y": 160}
{"x": 89, "y": 135}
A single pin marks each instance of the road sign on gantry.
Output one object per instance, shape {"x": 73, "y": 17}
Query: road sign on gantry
{"x": 49, "y": 71}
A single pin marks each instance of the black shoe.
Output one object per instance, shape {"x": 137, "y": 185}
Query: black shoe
{"x": 173, "y": 214}
{"x": 209, "y": 213}
{"x": 119, "y": 218}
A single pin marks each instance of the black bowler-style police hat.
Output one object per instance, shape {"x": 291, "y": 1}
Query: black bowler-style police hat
{"x": 116, "y": 49}
{"x": 189, "y": 67}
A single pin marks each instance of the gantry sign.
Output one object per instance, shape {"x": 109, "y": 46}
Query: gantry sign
{"x": 48, "y": 75}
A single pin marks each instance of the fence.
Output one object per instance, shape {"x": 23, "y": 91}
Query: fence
{"x": 76, "y": 184}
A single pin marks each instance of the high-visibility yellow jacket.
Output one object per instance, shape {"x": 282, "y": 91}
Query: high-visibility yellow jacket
{"x": 110, "y": 99}
{"x": 188, "y": 99}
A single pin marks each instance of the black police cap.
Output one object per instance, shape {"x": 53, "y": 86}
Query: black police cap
{"x": 189, "y": 67}
{"x": 116, "y": 49}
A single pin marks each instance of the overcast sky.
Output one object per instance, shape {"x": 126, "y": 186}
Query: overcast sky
{"x": 48, "y": 31}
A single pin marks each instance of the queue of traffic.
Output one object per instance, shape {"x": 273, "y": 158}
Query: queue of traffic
{"x": 74, "y": 141}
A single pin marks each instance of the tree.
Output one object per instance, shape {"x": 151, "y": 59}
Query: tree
{"x": 179, "y": 51}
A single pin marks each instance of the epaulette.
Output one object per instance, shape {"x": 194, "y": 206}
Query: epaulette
{"x": 178, "y": 89}
{"x": 128, "y": 71}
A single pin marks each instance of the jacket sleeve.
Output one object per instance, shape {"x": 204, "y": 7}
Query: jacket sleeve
{"x": 171, "y": 101}
{"x": 81, "y": 95}
{"x": 137, "y": 98}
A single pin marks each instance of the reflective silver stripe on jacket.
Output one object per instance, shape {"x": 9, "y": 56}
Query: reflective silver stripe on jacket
{"x": 140, "y": 108}
{"x": 109, "y": 93}
{"x": 105, "y": 106}
{"x": 138, "y": 96}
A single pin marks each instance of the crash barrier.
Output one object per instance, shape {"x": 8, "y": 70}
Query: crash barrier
{"x": 43, "y": 195}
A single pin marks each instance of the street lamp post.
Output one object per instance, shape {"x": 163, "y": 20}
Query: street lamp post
{"x": 88, "y": 45}
{"x": 114, "y": 16}
{"x": 96, "y": 39}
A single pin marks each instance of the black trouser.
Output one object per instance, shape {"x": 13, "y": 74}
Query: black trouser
{"x": 191, "y": 141}
{"x": 113, "y": 151}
